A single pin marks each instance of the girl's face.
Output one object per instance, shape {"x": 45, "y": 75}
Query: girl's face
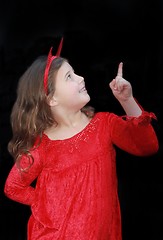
{"x": 70, "y": 92}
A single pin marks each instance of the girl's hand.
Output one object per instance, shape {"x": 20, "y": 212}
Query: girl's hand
{"x": 120, "y": 87}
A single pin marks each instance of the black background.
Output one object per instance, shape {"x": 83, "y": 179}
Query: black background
{"x": 98, "y": 35}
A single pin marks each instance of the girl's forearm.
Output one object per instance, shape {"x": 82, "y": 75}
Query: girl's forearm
{"x": 131, "y": 107}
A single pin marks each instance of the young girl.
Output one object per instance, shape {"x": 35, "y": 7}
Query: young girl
{"x": 65, "y": 167}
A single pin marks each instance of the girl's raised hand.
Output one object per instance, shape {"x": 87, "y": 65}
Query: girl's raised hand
{"x": 120, "y": 87}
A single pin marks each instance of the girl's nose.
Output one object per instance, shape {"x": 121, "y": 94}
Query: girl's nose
{"x": 81, "y": 79}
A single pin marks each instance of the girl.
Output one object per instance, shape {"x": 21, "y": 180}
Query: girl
{"x": 65, "y": 167}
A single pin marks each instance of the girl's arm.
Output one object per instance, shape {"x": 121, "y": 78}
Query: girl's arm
{"x": 18, "y": 185}
{"x": 135, "y": 133}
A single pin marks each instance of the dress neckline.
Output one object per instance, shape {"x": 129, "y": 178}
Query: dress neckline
{"x": 75, "y": 135}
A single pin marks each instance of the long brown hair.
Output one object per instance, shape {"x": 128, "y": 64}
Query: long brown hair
{"x": 31, "y": 114}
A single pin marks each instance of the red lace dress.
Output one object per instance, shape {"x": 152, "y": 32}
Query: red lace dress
{"x": 75, "y": 197}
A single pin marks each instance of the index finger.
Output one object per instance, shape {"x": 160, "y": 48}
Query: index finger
{"x": 120, "y": 70}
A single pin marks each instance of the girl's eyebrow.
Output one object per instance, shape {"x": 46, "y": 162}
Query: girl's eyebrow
{"x": 69, "y": 71}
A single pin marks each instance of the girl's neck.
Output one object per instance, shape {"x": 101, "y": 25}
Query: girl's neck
{"x": 68, "y": 127}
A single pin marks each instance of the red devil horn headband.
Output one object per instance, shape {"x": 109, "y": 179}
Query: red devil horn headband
{"x": 48, "y": 64}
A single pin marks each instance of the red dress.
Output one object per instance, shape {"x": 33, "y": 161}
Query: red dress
{"x": 75, "y": 197}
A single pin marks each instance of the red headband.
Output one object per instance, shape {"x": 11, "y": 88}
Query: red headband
{"x": 48, "y": 64}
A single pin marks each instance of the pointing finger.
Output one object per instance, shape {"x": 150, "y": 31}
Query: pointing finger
{"x": 120, "y": 70}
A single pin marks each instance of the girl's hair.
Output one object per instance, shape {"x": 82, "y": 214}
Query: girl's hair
{"x": 89, "y": 111}
{"x": 31, "y": 114}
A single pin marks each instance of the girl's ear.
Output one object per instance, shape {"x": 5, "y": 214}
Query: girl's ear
{"x": 52, "y": 101}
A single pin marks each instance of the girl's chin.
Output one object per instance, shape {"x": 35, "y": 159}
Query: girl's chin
{"x": 85, "y": 99}
{"x": 88, "y": 98}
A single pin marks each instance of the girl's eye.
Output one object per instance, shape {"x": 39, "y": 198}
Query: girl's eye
{"x": 69, "y": 77}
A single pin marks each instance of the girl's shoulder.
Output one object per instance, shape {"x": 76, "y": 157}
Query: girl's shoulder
{"x": 103, "y": 118}
{"x": 91, "y": 112}
{"x": 104, "y": 115}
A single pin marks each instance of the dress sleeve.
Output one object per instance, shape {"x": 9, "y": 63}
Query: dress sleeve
{"x": 135, "y": 135}
{"x": 18, "y": 185}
